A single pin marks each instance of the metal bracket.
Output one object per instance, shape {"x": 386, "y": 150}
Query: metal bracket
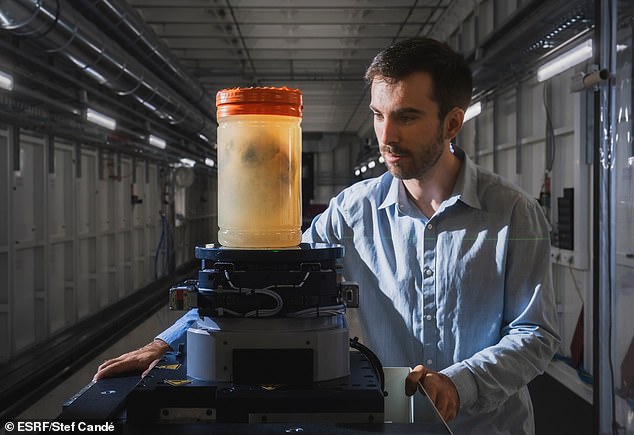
{"x": 349, "y": 293}
{"x": 183, "y": 297}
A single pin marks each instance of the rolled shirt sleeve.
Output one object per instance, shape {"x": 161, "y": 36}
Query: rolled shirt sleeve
{"x": 176, "y": 334}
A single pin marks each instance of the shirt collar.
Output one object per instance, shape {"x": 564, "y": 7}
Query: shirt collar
{"x": 392, "y": 196}
{"x": 465, "y": 189}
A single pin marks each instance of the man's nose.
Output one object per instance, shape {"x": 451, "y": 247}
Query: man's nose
{"x": 387, "y": 133}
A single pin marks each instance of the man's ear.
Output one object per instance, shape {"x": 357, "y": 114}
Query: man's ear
{"x": 453, "y": 123}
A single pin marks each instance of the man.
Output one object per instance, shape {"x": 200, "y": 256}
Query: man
{"x": 451, "y": 260}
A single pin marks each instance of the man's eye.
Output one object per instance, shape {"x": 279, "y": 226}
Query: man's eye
{"x": 378, "y": 115}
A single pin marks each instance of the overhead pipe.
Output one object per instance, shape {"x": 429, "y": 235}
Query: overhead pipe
{"x": 117, "y": 105}
{"x": 60, "y": 29}
{"x": 127, "y": 27}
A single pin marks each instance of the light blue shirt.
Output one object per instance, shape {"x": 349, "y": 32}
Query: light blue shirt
{"x": 467, "y": 292}
{"x": 176, "y": 334}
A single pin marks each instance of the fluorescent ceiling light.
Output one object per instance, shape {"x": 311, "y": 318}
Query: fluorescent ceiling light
{"x": 210, "y": 162}
{"x": 203, "y": 137}
{"x": 6, "y": 81}
{"x": 381, "y": 159}
{"x": 567, "y": 60}
{"x": 371, "y": 164}
{"x": 472, "y": 111}
{"x": 188, "y": 162}
{"x": 157, "y": 141}
{"x": 364, "y": 168}
{"x": 101, "y": 119}
{"x": 357, "y": 172}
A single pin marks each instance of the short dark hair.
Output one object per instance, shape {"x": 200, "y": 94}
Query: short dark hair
{"x": 449, "y": 71}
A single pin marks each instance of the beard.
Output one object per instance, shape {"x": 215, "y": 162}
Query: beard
{"x": 414, "y": 164}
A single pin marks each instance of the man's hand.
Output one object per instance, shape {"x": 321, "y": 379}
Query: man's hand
{"x": 439, "y": 388}
{"x": 140, "y": 360}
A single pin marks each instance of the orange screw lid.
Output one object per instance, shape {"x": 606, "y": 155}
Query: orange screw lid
{"x": 259, "y": 101}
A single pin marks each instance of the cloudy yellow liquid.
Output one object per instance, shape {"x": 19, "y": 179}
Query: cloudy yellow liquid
{"x": 259, "y": 181}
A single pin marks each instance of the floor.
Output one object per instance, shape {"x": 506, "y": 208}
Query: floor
{"x": 50, "y": 406}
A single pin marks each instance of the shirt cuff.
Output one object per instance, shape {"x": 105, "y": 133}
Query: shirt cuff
{"x": 175, "y": 334}
{"x": 462, "y": 378}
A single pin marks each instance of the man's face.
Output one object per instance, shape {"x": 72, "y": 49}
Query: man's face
{"x": 407, "y": 126}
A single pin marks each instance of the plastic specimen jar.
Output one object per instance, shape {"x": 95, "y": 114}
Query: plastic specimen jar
{"x": 259, "y": 164}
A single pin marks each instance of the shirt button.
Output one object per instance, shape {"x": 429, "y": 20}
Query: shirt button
{"x": 429, "y": 362}
{"x": 430, "y": 226}
{"x": 428, "y": 272}
{"x": 428, "y": 317}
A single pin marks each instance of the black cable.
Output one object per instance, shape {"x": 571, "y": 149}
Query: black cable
{"x": 374, "y": 360}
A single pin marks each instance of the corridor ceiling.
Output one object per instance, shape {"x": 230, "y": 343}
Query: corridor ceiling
{"x": 156, "y": 65}
{"x": 321, "y": 47}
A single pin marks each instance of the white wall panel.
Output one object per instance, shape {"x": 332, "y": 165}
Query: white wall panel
{"x": 533, "y": 166}
{"x": 139, "y": 257}
{"x": 5, "y": 330}
{"x": 60, "y": 194}
{"x": 125, "y": 263}
{"x": 485, "y": 19}
{"x": 5, "y": 277}
{"x": 486, "y": 161}
{"x": 105, "y": 203}
{"x": 86, "y": 276}
{"x": 569, "y": 301}
{"x": 71, "y": 244}
{"x": 122, "y": 196}
{"x": 504, "y": 9}
{"x": 334, "y": 169}
{"x": 485, "y": 130}
{"x": 28, "y": 196}
{"x": 468, "y": 33}
{"x": 152, "y": 200}
{"x": 28, "y": 232}
{"x": 504, "y": 124}
{"x": 533, "y": 113}
{"x": 563, "y": 110}
{"x": 24, "y": 299}
{"x": 57, "y": 282}
{"x": 506, "y": 163}
{"x": 86, "y": 191}
{"x": 110, "y": 249}
{"x": 4, "y": 191}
